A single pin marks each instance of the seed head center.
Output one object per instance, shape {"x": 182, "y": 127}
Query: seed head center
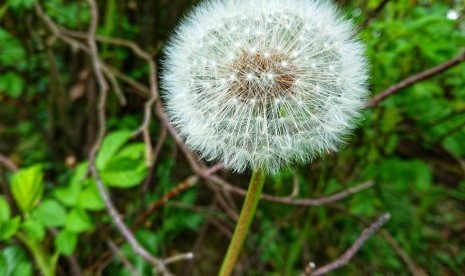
{"x": 262, "y": 75}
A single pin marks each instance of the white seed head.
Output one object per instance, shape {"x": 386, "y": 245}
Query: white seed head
{"x": 272, "y": 89}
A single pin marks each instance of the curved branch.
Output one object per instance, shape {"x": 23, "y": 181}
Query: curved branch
{"x": 7, "y": 163}
{"x": 350, "y": 253}
{"x": 416, "y": 78}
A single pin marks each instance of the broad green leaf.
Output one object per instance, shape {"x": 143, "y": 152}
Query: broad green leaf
{"x": 9, "y": 228}
{"x": 18, "y": 263}
{"x": 11, "y": 84}
{"x": 33, "y": 229}
{"x": 455, "y": 143}
{"x": 11, "y": 50}
{"x": 65, "y": 242}
{"x": 110, "y": 146}
{"x": 27, "y": 187}
{"x": 5, "y": 212}
{"x": 23, "y": 269}
{"x": 68, "y": 195}
{"x": 78, "y": 221}
{"x": 50, "y": 213}
{"x": 90, "y": 198}
{"x": 124, "y": 173}
{"x": 134, "y": 151}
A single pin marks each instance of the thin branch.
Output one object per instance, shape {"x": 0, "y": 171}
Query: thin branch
{"x": 412, "y": 267}
{"x": 103, "y": 86}
{"x": 373, "y": 14}
{"x": 7, "y": 163}
{"x": 125, "y": 232}
{"x": 416, "y": 78}
{"x": 350, "y": 253}
{"x": 181, "y": 257}
{"x": 138, "y": 51}
{"x": 117, "y": 252}
{"x": 184, "y": 185}
{"x": 155, "y": 154}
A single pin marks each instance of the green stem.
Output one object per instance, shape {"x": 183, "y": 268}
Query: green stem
{"x": 245, "y": 219}
{"x": 44, "y": 262}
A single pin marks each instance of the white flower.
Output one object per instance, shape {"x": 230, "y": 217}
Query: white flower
{"x": 264, "y": 83}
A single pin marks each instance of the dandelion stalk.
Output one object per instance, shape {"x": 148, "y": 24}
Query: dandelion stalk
{"x": 245, "y": 219}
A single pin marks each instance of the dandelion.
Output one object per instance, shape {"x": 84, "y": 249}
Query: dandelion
{"x": 263, "y": 84}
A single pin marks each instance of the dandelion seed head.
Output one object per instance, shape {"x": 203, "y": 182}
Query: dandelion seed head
{"x": 264, "y": 83}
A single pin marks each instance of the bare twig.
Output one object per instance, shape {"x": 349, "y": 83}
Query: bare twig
{"x": 7, "y": 163}
{"x": 295, "y": 186}
{"x": 122, "y": 227}
{"x": 412, "y": 267}
{"x": 416, "y": 78}
{"x": 137, "y": 50}
{"x": 117, "y": 252}
{"x": 103, "y": 86}
{"x": 156, "y": 153}
{"x": 181, "y": 257}
{"x": 295, "y": 201}
{"x": 184, "y": 185}
{"x": 373, "y": 14}
{"x": 350, "y": 253}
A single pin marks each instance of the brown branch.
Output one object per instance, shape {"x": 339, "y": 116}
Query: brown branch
{"x": 155, "y": 154}
{"x": 117, "y": 252}
{"x": 416, "y": 78}
{"x": 412, "y": 267}
{"x": 373, "y": 14}
{"x": 184, "y": 185}
{"x": 350, "y": 253}
{"x": 295, "y": 201}
{"x": 177, "y": 258}
{"x": 103, "y": 86}
{"x": 125, "y": 232}
{"x": 7, "y": 163}
{"x": 138, "y": 51}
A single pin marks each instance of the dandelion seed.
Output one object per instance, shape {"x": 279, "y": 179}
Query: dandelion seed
{"x": 269, "y": 100}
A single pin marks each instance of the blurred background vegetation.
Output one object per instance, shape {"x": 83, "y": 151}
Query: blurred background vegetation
{"x": 411, "y": 146}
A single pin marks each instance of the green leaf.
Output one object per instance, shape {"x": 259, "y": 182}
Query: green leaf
{"x": 110, "y": 146}
{"x": 65, "y": 242}
{"x": 90, "y": 198}
{"x": 133, "y": 151}
{"x": 78, "y": 221}
{"x": 124, "y": 173}
{"x": 50, "y": 213}
{"x": 5, "y": 212}
{"x": 3, "y": 265}
{"x": 34, "y": 229}
{"x": 12, "y": 84}
{"x": 11, "y": 50}
{"x": 17, "y": 261}
{"x": 21, "y": 4}
{"x": 27, "y": 187}
{"x": 9, "y": 228}
{"x": 68, "y": 195}
{"x": 454, "y": 143}
{"x": 23, "y": 269}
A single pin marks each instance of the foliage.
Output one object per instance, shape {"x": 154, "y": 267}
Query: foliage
{"x": 51, "y": 212}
